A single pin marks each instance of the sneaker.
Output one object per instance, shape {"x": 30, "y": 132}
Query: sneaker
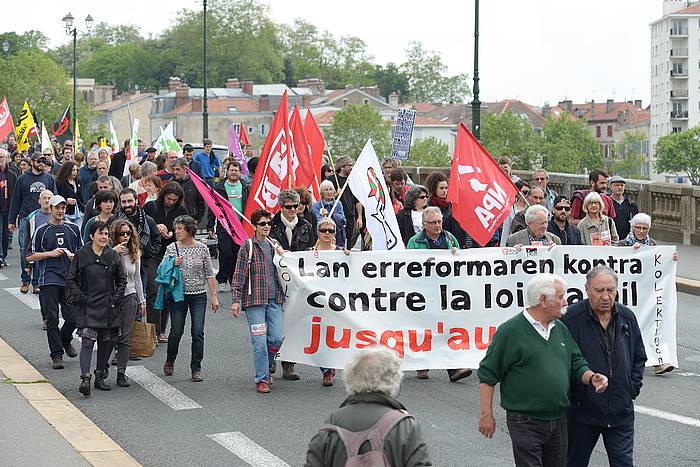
{"x": 163, "y": 338}
{"x": 460, "y": 374}
{"x": 422, "y": 374}
{"x": 197, "y": 377}
{"x": 663, "y": 368}
{"x": 57, "y": 362}
{"x": 24, "y": 288}
{"x": 35, "y": 290}
{"x": 70, "y": 351}
{"x": 289, "y": 373}
{"x": 262, "y": 388}
{"x": 328, "y": 378}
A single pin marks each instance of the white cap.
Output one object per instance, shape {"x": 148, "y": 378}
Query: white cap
{"x": 56, "y": 200}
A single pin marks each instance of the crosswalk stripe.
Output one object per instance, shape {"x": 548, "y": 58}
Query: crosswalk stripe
{"x": 3, "y": 277}
{"x": 29, "y": 299}
{"x": 667, "y": 415}
{"x": 160, "y": 389}
{"x": 246, "y": 449}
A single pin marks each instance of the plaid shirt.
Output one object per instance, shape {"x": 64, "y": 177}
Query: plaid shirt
{"x": 253, "y": 293}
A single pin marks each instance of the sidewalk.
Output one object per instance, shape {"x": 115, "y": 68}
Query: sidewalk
{"x": 688, "y": 268}
{"x": 40, "y": 427}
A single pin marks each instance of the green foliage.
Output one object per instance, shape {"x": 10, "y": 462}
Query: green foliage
{"x": 353, "y": 126}
{"x": 125, "y": 65}
{"x": 427, "y": 77}
{"x": 390, "y": 79}
{"x": 428, "y": 152}
{"x": 509, "y": 135}
{"x": 678, "y": 152}
{"x": 568, "y": 146}
{"x": 29, "y": 40}
{"x": 629, "y": 160}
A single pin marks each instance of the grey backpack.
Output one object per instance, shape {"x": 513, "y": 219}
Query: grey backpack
{"x": 375, "y": 435}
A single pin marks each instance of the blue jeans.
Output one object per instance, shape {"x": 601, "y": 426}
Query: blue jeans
{"x": 26, "y": 277}
{"x": 267, "y": 334}
{"x": 618, "y": 441}
{"x": 197, "y": 304}
{"x": 4, "y": 235}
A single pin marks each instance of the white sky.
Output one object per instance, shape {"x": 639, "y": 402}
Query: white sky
{"x": 536, "y": 51}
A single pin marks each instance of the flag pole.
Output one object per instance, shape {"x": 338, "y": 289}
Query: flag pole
{"x": 242, "y": 216}
{"x": 330, "y": 157}
{"x": 340, "y": 193}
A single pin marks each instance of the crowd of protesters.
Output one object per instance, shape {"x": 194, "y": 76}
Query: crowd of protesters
{"x": 78, "y": 217}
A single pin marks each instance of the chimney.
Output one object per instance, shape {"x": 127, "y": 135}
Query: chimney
{"x": 247, "y": 87}
{"x": 233, "y": 83}
{"x": 638, "y": 103}
{"x": 197, "y": 105}
{"x": 593, "y": 108}
{"x": 173, "y": 83}
{"x": 566, "y": 105}
{"x": 621, "y": 116}
{"x": 609, "y": 105}
{"x": 124, "y": 98}
{"x": 371, "y": 90}
{"x": 394, "y": 100}
{"x": 313, "y": 83}
{"x": 546, "y": 110}
{"x": 264, "y": 102}
{"x": 348, "y": 87}
{"x": 182, "y": 94}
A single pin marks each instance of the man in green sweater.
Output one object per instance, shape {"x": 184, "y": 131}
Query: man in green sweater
{"x": 534, "y": 358}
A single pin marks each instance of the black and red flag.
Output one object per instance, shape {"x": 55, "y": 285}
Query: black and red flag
{"x": 61, "y": 127}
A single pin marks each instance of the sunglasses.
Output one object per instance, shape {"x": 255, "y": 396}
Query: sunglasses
{"x": 291, "y": 206}
{"x": 264, "y": 224}
{"x": 327, "y": 231}
{"x": 539, "y": 179}
{"x": 565, "y": 208}
{"x": 422, "y": 197}
{"x": 125, "y": 233}
{"x": 48, "y": 154}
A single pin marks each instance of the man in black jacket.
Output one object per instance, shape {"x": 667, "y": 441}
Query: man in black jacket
{"x": 559, "y": 224}
{"x": 193, "y": 199}
{"x": 7, "y": 184}
{"x": 116, "y": 166}
{"x": 609, "y": 338}
{"x": 149, "y": 236}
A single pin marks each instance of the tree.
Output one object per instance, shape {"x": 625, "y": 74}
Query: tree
{"x": 427, "y": 77}
{"x": 29, "y": 40}
{"x": 678, "y": 152}
{"x": 390, "y": 79}
{"x": 568, "y": 146}
{"x": 629, "y": 160}
{"x": 353, "y": 126}
{"x": 428, "y": 152}
{"x": 509, "y": 135}
{"x": 125, "y": 65}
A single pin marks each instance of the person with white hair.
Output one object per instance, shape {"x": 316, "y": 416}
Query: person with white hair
{"x": 596, "y": 228}
{"x": 323, "y": 207}
{"x": 534, "y": 358}
{"x": 372, "y": 380}
{"x": 536, "y": 219}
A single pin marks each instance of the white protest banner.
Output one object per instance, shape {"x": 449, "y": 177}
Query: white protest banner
{"x": 403, "y": 130}
{"x": 367, "y": 184}
{"x": 440, "y": 310}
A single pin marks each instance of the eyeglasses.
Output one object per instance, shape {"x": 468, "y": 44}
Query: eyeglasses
{"x": 327, "y": 231}
{"x": 438, "y": 222}
{"x": 125, "y": 233}
{"x": 264, "y": 224}
{"x": 48, "y": 154}
{"x": 565, "y": 208}
{"x": 422, "y": 197}
{"x": 539, "y": 179}
{"x": 291, "y": 206}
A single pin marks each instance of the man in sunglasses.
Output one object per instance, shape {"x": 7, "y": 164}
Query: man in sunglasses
{"x": 559, "y": 223}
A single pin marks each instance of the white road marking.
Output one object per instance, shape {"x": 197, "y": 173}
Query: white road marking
{"x": 247, "y": 450}
{"x": 694, "y": 358}
{"x": 29, "y": 299}
{"x": 667, "y": 416}
{"x": 3, "y": 277}
{"x": 686, "y": 373}
{"x": 160, "y": 389}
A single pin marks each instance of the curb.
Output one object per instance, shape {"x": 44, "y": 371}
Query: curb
{"x": 85, "y": 437}
{"x": 689, "y": 286}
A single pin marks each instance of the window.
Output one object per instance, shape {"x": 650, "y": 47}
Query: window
{"x": 251, "y": 130}
{"x": 263, "y": 129}
{"x": 609, "y": 131}
{"x": 237, "y": 127}
{"x": 597, "y": 131}
{"x": 365, "y": 101}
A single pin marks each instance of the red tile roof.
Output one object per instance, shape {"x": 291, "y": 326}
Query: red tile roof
{"x": 517, "y": 107}
{"x": 598, "y": 112}
{"x": 107, "y": 106}
{"x": 692, "y": 10}
{"x": 220, "y": 105}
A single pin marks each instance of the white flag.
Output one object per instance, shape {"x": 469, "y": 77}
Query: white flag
{"x": 167, "y": 142}
{"x": 115, "y": 141}
{"x": 45, "y": 140}
{"x": 367, "y": 184}
{"x": 132, "y": 155}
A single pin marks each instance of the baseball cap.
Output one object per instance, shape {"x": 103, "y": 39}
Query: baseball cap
{"x": 615, "y": 179}
{"x": 39, "y": 157}
{"x": 56, "y": 200}
{"x": 150, "y": 149}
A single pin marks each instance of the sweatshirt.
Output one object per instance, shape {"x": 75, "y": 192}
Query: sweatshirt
{"x": 25, "y": 196}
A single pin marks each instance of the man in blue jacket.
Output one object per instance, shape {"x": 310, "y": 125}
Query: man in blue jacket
{"x": 610, "y": 340}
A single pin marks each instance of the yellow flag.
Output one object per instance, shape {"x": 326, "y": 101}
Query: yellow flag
{"x": 26, "y": 123}
{"x": 78, "y": 139}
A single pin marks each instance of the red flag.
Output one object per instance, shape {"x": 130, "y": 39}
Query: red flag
{"x": 244, "y": 134}
{"x": 305, "y": 174}
{"x": 315, "y": 139}
{"x": 274, "y": 172}
{"x": 221, "y": 209}
{"x": 482, "y": 195}
{"x": 6, "y": 125}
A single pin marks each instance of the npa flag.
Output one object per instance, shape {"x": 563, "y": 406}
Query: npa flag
{"x": 244, "y": 134}
{"x": 482, "y": 195}
{"x": 367, "y": 184}
{"x": 167, "y": 142}
{"x": 221, "y": 209}
{"x": 305, "y": 176}
{"x": 61, "y": 127}
{"x": 234, "y": 149}
{"x": 114, "y": 141}
{"x": 275, "y": 171}
{"x": 24, "y": 127}
{"x": 317, "y": 143}
{"x": 6, "y": 123}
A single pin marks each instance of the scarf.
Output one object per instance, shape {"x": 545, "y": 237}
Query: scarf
{"x": 139, "y": 220}
{"x": 630, "y": 240}
{"x": 289, "y": 227}
{"x": 438, "y": 202}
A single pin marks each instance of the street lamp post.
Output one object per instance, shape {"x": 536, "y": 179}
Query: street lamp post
{"x": 73, "y": 31}
{"x": 476, "y": 103}
{"x": 205, "y": 105}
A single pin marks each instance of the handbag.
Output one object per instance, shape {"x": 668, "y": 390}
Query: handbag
{"x": 143, "y": 339}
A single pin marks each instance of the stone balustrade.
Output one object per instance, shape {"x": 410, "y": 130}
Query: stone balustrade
{"x": 674, "y": 208}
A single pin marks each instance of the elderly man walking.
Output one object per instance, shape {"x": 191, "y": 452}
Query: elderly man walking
{"x": 536, "y": 232}
{"x": 534, "y": 358}
{"x": 372, "y": 380}
{"x": 609, "y": 338}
